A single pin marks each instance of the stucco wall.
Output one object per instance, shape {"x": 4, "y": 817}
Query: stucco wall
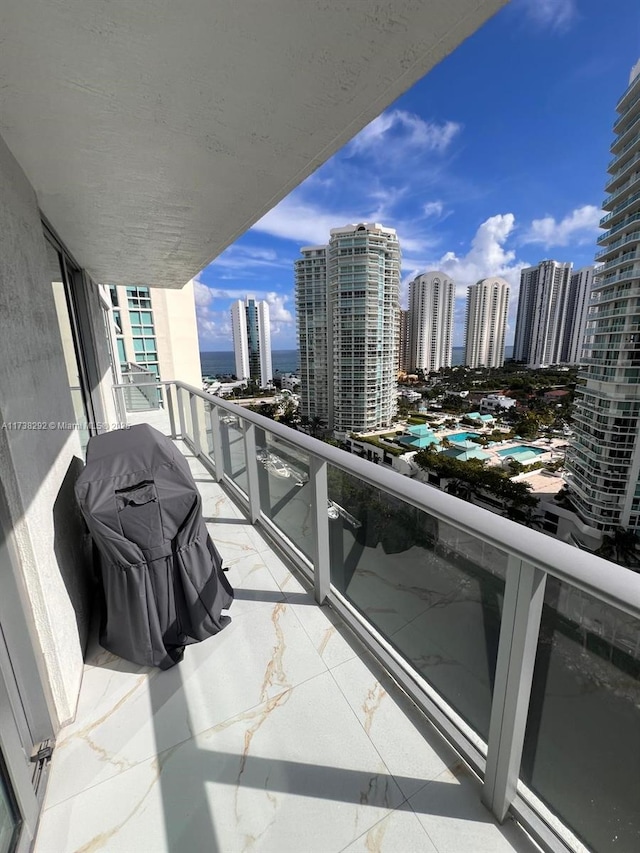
{"x": 38, "y": 467}
{"x": 174, "y": 316}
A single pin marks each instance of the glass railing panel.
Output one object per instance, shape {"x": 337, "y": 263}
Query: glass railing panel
{"x": 582, "y": 745}
{"x": 183, "y": 401}
{"x": 234, "y": 459}
{"x": 433, "y": 591}
{"x": 208, "y": 435}
{"x": 286, "y": 490}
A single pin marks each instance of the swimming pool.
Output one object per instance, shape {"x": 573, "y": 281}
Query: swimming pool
{"x": 463, "y": 436}
{"x": 519, "y": 448}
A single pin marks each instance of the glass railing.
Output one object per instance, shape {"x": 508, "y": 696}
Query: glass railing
{"x": 627, "y": 221}
{"x": 621, "y": 153}
{"x": 619, "y": 208}
{"x": 628, "y": 238}
{"x": 524, "y": 651}
{"x": 621, "y": 172}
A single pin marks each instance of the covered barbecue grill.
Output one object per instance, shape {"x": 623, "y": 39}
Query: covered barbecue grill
{"x": 161, "y": 575}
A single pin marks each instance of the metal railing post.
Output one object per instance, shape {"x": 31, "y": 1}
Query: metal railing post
{"x": 169, "y": 392}
{"x": 249, "y": 431}
{"x": 519, "y": 631}
{"x": 120, "y": 406}
{"x": 216, "y": 438}
{"x": 195, "y": 424}
{"x": 180, "y": 401}
{"x": 321, "y": 555}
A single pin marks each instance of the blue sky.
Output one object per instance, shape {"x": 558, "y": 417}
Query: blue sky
{"x": 494, "y": 161}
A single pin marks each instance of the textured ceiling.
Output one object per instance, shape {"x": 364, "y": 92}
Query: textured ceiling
{"x": 156, "y": 132}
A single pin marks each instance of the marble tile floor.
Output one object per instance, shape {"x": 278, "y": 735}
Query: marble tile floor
{"x": 279, "y": 734}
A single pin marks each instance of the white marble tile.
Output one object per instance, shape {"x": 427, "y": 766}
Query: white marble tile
{"x": 286, "y": 580}
{"x": 126, "y": 717}
{"x": 296, "y": 773}
{"x": 324, "y": 629}
{"x": 399, "y": 832}
{"x": 453, "y": 816}
{"x": 232, "y": 541}
{"x": 411, "y": 748}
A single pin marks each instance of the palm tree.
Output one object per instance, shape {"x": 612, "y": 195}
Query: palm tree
{"x": 620, "y": 546}
{"x": 316, "y": 425}
{"x": 461, "y": 489}
{"x": 523, "y": 515}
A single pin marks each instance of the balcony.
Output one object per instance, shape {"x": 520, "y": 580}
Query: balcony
{"x": 291, "y": 729}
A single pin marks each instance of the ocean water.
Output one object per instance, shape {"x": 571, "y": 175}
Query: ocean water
{"x": 222, "y": 363}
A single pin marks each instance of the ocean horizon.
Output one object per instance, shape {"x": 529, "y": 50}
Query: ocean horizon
{"x": 222, "y": 362}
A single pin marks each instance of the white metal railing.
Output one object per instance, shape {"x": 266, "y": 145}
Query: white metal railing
{"x": 242, "y": 448}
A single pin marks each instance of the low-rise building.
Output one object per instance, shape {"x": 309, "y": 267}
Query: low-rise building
{"x": 492, "y": 402}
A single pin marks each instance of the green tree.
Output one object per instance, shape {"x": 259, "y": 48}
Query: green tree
{"x": 620, "y": 546}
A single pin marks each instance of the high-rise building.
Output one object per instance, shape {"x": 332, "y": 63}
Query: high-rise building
{"x": 156, "y": 328}
{"x": 542, "y": 313}
{"x": 604, "y": 461}
{"x": 348, "y": 327}
{"x": 486, "y": 323}
{"x": 580, "y": 286}
{"x": 431, "y": 304}
{"x": 252, "y": 340}
{"x": 403, "y": 341}
{"x": 312, "y": 326}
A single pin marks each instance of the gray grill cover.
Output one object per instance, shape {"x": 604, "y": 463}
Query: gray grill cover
{"x": 161, "y": 574}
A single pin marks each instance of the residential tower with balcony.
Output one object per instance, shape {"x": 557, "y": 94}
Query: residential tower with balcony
{"x": 604, "y": 461}
{"x": 486, "y": 323}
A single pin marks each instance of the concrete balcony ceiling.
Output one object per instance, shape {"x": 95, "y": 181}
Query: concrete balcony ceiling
{"x": 155, "y": 134}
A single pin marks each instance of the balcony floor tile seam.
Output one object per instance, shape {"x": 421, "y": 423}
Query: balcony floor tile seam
{"x": 404, "y": 806}
{"x": 430, "y": 730}
{"x": 237, "y": 715}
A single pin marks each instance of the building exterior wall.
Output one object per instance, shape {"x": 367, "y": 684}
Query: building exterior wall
{"x": 604, "y": 461}
{"x": 251, "y": 330}
{"x": 39, "y": 467}
{"x": 541, "y": 329}
{"x": 176, "y": 327}
{"x": 364, "y": 288}
{"x": 314, "y": 333}
{"x": 431, "y": 304}
{"x": 577, "y": 311}
{"x": 486, "y": 323}
{"x": 157, "y": 329}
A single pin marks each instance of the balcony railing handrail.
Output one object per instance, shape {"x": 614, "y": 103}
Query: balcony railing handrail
{"x": 604, "y": 580}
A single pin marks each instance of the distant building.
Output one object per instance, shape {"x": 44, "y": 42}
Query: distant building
{"x": 289, "y": 382}
{"x": 252, "y": 340}
{"x": 313, "y": 332}
{"x": 348, "y": 327}
{"x": 403, "y": 343}
{"x": 580, "y": 286}
{"x": 156, "y": 329}
{"x": 541, "y": 323}
{"x": 431, "y": 305}
{"x": 603, "y": 463}
{"x": 492, "y": 402}
{"x": 486, "y": 323}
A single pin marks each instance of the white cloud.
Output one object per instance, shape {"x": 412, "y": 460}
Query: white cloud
{"x": 202, "y": 294}
{"x": 487, "y": 256}
{"x": 277, "y": 311}
{"x": 579, "y": 226}
{"x": 553, "y": 14}
{"x": 407, "y": 130}
{"x": 433, "y": 208}
{"x": 294, "y": 219}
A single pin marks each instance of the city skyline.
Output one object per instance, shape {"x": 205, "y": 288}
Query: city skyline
{"x": 478, "y": 181}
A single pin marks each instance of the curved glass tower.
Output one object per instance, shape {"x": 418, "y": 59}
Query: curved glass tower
{"x": 604, "y": 461}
